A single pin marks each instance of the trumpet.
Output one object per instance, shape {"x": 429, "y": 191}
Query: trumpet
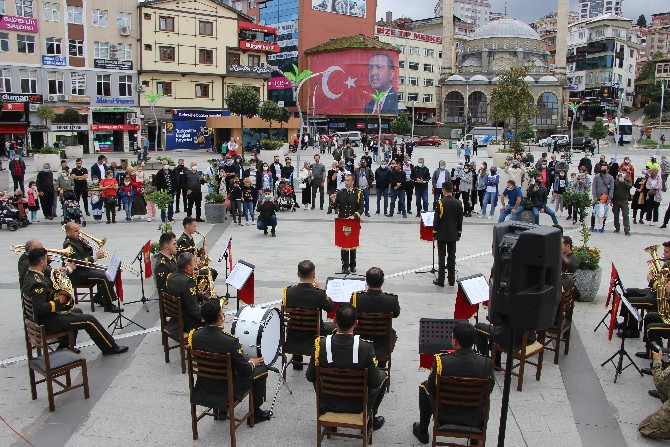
{"x": 64, "y": 254}
{"x": 100, "y": 243}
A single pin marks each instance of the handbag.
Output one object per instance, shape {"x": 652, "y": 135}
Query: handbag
{"x": 227, "y": 202}
{"x": 111, "y": 201}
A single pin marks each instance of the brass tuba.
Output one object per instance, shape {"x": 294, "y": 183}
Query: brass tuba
{"x": 62, "y": 286}
{"x": 660, "y": 277}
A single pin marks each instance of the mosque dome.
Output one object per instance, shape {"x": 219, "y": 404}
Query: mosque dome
{"x": 479, "y": 78}
{"x": 506, "y": 28}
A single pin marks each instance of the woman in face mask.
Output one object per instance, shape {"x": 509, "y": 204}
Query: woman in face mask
{"x": 264, "y": 180}
{"x": 480, "y": 183}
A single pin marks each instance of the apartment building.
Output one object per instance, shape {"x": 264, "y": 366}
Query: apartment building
{"x": 476, "y": 12}
{"x": 602, "y": 59}
{"x": 70, "y": 53}
{"x": 660, "y": 19}
{"x": 658, "y": 41}
{"x": 595, "y": 8}
{"x": 193, "y": 53}
{"x": 547, "y": 27}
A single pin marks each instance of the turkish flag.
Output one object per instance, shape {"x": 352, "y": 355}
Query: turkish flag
{"x": 146, "y": 255}
{"x": 616, "y": 301}
{"x": 118, "y": 284}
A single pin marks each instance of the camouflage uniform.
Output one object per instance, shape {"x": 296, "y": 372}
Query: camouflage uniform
{"x": 657, "y": 424}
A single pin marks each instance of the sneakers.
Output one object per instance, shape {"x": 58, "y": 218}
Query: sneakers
{"x": 490, "y": 217}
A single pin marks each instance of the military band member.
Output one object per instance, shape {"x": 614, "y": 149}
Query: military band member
{"x": 182, "y": 284}
{"x": 447, "y": 228}
{"x": 350, "y": 204}
{"x": 83, "y": 252}
{"x": 307, "y": 294}
{"x": 344, "y": 350}
{"x": 657, "y": 424}
{"x": 166, "y": 262}
{"x": 213, "y": 393}
{"x": 569, "y": 264}
{"x": 461, "y": 363}
{"x": 23, "y": 263}
{"x": 48, "y": 306}
{"x": 186, "y": 243}
{"x": 373, "y": 300}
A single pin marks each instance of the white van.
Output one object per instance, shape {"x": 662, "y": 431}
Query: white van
{"x": 354, "y": 137}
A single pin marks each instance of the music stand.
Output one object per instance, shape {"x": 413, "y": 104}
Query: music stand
{"x": 426, "y": 234}
{"x": 339, "y": 290}
{"x": 435, "y": 337}
{"x": 615, "y": 281}
{"x": 139, "y": 258}
{"x": 473, "y": 289}
{"x": 242, "y": 278}
{"x": 621, "y": 353}
{"x": 225, "y": 255}
{"x": 111, "y": 272}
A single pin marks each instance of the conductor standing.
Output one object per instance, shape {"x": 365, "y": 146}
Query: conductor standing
{"x": 350, "y": 205}
{"x": 447, "y": 228}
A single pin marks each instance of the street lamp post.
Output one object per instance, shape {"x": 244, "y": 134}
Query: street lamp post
{"x": 467, "y": 106}
{"x": 413, "y": 114}
{"x": 660, "y": 118}
{"x": 316, "y": 85}
{"x": 152, "y": 99}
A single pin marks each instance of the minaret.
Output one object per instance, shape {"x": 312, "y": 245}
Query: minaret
{"x": 447, "y": 38}
{"x": 561, "y": 39}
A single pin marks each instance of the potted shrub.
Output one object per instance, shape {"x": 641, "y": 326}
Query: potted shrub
{"x": 589, "y": 273}
{"x": 47, "y": 154}
{"x": 580, "y": 201}
{"x": 215, "y": 208}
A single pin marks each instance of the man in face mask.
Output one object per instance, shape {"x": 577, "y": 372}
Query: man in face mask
{"x": 383, "y": 181}
{"x": 180, "y": 183}
{"x": 165, "y": 181}
{"x": 627, "y": 169}
{"x": 440, "y": 175}
{"x": 65, "y": 182}
{"x": 603, "y": 184}
{"x": 194, "y": 180}
{"x": 421, "y": 177}
{"x": 17, "y": 168}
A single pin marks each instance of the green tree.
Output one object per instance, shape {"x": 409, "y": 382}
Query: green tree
{"x": 284, "y": 116}
{"x": 71, "y": 116}
{"x": 243, "y": 100}
{"x": 642, "y": 21}
{"x": 46, "y": 114}
{"x": 526, "y": 132}
{"x": 598, "y": 131}
{"x": 269, "y": 112}
{"x": 402, "y": 125}
{"x": 648, "y": 70}
{"x": 652, "y": 110}
{"x": 512, "y": 101}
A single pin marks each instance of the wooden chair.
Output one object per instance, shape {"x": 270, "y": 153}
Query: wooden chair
{"x": 560, "y": 331}
{"x": 343, "y": 383}
{"x": 170, "y": 307}
{"x": 372, "y": 325}
{"x": 84, "y": 290}
{"x": 302, "y": 320}
{"x": 526, "y": 352}
{"x": 29, "y": 314}
{"x": 464, "y": 394}
{"x": 52, "y": 365}
{"x": 211, "y": 365}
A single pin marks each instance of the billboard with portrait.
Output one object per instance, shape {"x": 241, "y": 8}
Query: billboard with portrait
{"x": 348, "y": 79}
{"x": 354, "y": 8}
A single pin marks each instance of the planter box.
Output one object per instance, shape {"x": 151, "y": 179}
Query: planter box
{"x": 587, "y": 283}
{"x": 52, "y": 159}
{"x": 215, "y": 212}
{"x": 499, "y": 159}
{"x": 492, "y": 149}
{"x": 74, "y": 151}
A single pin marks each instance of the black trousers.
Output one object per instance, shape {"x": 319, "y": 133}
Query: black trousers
{"x": 177, "y": 193}
{"x": 18, "y": 183}
{"x": 47, "y": 203}
{"x": 80, "y": 321}
{"x": 655, "y": 330}
{"x": 448, "y": 250}
{"x": 79, "y": 192}
{"x": 409, "y": 189}
{"x": 110, "y": 212}
{"x": 348, "y": 258}
{"x": 260, "y": 377}
{"x": 317, "y": 186}
{"x": 195, "y": 198}
{"x": 106, "y": 294}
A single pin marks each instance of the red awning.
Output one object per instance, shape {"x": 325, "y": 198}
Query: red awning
{"x": 13, "y": 128}
{"x": 256, "y": 27}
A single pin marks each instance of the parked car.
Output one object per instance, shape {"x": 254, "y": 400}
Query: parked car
{"x": 427, "y": 141}
{"x": 386, "y": 138}
{"x": 582, "y": 144}
{"x": 563, "y": 140}
{"x": 354, "y": 137}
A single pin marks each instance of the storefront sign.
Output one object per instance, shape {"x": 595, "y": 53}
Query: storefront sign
{"x": 69, "y": 127}
{"x": 20, "y": 97}
{"x": 79, "y": 99}
{"x": 282, "y": 56}
{"x": 386, "y": 31}
{"x": 278, "y": 83}
{"x": 16, "y": 23}
{"x": 360, "y": 125}
{"x": 196, "y": 115}
{"x": 288, "y": 43}
{"x": 112, "y": 64}
{"x": 252, "y": 72}
{"x": 112, "y": 127}
{"x": 13, "y": 107}
{"x": 54, "y": 61}
{"x": 186, "y": 135}
{"x": 356, "y": 8}
{"x": 259, "y": 46}
{"x": 106, "y": 100}
{"x": 114, "y": 109}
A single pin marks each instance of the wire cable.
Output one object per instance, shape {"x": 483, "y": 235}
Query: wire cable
{"x": 16, "y": 432}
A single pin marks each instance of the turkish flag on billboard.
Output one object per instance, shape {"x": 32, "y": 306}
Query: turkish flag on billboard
{"x": 349, "y": 78}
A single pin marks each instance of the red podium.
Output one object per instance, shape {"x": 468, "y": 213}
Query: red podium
{"x": 347, "y": 233}
{"x": 425, "y": 232}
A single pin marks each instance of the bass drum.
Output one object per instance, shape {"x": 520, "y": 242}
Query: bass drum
{"x": 259, "y": 331}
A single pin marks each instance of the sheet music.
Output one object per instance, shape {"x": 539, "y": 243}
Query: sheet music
{"x": 476, "y": 289}
{"x": 427, "y": 218}
{"x": 239, "y": 275}
{"x": 223, "y": 254}
{"x": 630, "y": 308}
{"x": 340, "y": 290}
{"x": 114, "y": 265}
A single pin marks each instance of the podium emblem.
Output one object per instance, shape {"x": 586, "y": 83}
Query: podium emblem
{"x": 346, "y": 230}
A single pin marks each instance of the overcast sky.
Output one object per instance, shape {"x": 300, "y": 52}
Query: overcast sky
{"x": 524, "y": 10}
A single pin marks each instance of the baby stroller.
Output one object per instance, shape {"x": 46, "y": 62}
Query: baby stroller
{"x": 286, "y": 196}
{"x": 9, "y": 215}
{"x": 71, "y": 210}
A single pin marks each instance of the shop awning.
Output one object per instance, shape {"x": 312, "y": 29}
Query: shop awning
{"x": 13, "y": 128}
{"x": 256, "y": 27}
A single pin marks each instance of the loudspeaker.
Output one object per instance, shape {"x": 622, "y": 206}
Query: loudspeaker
{"x": 526, "y": 287}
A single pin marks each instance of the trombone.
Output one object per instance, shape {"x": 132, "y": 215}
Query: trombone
{"x": 100, "y": 243}
{"x": 64, "y": 254}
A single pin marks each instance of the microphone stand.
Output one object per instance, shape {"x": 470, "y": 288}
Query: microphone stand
{"x": 224, "y": 256}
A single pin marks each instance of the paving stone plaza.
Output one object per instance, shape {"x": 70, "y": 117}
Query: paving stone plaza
{"x": 137, "y": 399}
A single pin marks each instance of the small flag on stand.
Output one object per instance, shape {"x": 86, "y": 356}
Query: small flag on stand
{"x": 230, "y": 254}
{"x": 146, "y": 253}
{"x": 118, "y": 284}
